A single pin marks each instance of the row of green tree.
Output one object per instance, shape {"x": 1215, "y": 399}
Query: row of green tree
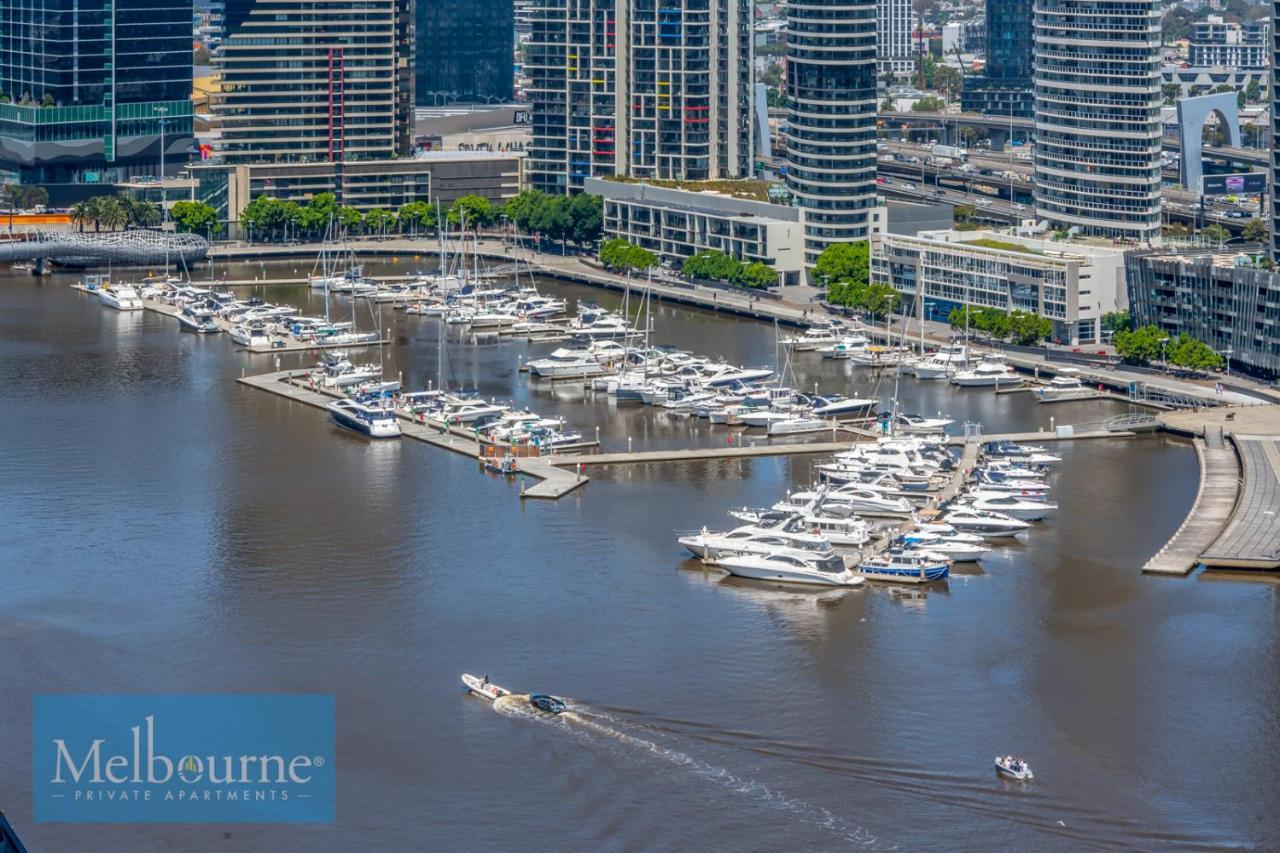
{"x": 845, "y": 268}
{"x": 1022, "y": 327}
{"x": 1147, "y": 344}
{"x": 579, "y": 218}
{"x": 114, "y": 212}
{"x": 620, "y": 256}
{"x": 717, "y": 266}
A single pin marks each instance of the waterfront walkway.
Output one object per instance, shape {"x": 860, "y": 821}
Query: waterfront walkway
{"x": 1251, "y": 539}
{"x": 1215, "y": 500}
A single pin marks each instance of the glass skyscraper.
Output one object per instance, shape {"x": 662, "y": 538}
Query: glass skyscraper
{"x": 1005, "y": 87}
{"x": 89, "y": 88}
{"x": 465, "y": 51}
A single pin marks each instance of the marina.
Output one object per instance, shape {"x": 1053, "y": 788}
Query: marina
{"x": 313, "y": 558}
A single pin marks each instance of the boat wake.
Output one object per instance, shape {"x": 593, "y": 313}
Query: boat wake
{"x": 594, "y": 724}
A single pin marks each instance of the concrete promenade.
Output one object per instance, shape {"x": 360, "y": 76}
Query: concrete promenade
{"x": 1251, "y": 539}
{"x": 1215, "y": 500}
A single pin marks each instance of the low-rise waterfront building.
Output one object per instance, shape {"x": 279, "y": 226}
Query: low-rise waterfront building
{"x": 677, "y": 223}
{"x": 366, "y": 184}
{"x": 1223, "y": 299}
{"x": 1215, "y": 41}
{"x": 1072, "y": 284}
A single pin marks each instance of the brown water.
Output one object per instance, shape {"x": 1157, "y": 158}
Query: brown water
{"x": 165, "y": 529}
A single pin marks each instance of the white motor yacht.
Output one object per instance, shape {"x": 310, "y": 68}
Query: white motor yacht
{"x": 985, "y": 523}
{"x": 754, "y": 539}
{"x": 837, "y": 406}
{"x": 952, "y": 549}
{"x": 1022, "y": 507}
{"x": 992, "y": 371}
{"x": 1066, "y": 386}
{"x": 856, "y": 499}
{"x": 371, "y": 421}
{"x": 796, "y": 424}
{"x": 918, "y": 424}
{"x": 338, "y": 372}
{"x": 566, "y": 362}
{"x": 942, "y": 364}
{"x": 198, "y": 318}
{"x": 122, "y": 297}
{"x": 791, "y": 567}
{"x": 815, "y": 337}
{"x": 844, "y": 348}
{"x": 250, "y": 335}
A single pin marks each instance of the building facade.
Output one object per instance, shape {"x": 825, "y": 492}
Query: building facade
{"x": 1072, "y": 285}
{"x": 1215, "y": 42}
{"x": 1221, "y": 299}
{"x": 1005, "y": 87}
{"x": 92, "y": 91}
{"x": 637, "y": 88}
{"x": 831, "y": 118}
{"x": 896, "y": 53}
{"x": 464, "y": 51}
{"x": 443, "y": 176}
{"x": 676, "y": 224}
{"x": 1097, "y": 115}
{"x": 307, "y": 82}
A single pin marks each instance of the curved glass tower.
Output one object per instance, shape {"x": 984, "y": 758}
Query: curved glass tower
{"x": 1098, "y": 131}
{"x": 831, "y": 118}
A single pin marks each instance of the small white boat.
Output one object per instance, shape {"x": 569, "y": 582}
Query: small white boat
{"x": 1013, "y": 767}
{"x": 797, "y": 424}
{"x": 484, "y": 687}
{"x": 917, "y": 424}
{"x": 992, "y": 372}
{"x": 250, "y": 335}
{"x": 198, "y": 319}
{"x": 989, "y": 525}
{"x": 1022, "y": 507}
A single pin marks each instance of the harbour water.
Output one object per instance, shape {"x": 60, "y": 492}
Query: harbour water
{"x": 166, "y": 529}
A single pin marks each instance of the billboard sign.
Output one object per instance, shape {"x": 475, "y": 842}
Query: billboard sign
{"x": 1245, "y": 183}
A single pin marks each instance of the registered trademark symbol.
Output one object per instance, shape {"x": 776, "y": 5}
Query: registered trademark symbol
{"x": 318, "y": 761}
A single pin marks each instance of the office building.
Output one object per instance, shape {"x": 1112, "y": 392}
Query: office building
{"x": 92, "y": 90}
{"x": 624, "y": 87}
{"x": 1073, "y": 285}
{"x": 831, "y": 118}
{"x": 464, "y": 51}
{"x": 310, "y": 82}
{"x": 895, "y": 50}
{"x": 1275, "y": 138}
{"x": 1005, "y": 87}
{"x": 1097, "y": 113}
{"x": 678, "y": 223}
{"x": 1215, "y": 42}
{"x": 1221, "y": 299}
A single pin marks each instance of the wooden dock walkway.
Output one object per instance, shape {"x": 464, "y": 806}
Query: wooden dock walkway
{"x": 1063, "y": 435}
{"x": 1251, "y": 538}
{"x": 736, "y": 451}
{"x": 1215, "y": 500}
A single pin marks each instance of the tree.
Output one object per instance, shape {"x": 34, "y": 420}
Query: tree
{"x": 1215, "y": 233}
{"x": 552, "y": 218}
{"x": 1117, "y": 321}
{"x": 112, "y": 213}
{"x": 948, "y": 80}
{"x": 195, "y": 217}
{"x": 617, "y": 254}
{"x": 476, "y": 211}
{"x": 146, "y": 212}
{"x": 879, "y": 300}
{"x": 1028, "y": 329}
{"x": 81, "y": 212}
{"x": 963, "y": 213}
{"x": 841, "y": 261}
{"x": 1255, "y": 231}
{"x": 1186, "y": 351}
{"x": 928, "y": 104}
{"x": 1253, "y": 92}
{"x": 521, "y": 208}
{"x": 712, "y": 266}
{"x": 1170, "y": 92}
{"x": 350, "y": 219}
{"x": 379, "y": 221}
{"x": 1139, "y": 346}
{"x": 586, "y": 215}
{"x": 1176, "y": 230}
{"x": 759, "y": 275}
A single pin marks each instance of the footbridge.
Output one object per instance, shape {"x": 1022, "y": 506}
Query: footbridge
{"x": 115, "y": 248}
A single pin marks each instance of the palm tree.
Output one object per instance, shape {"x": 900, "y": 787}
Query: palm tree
{"x": 147, "y": 213}
{"x": 81, "y": 212}
{"x": 113, "y": 214}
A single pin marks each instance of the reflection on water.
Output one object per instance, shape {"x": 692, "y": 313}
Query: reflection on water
{"x": 168, "y": 529}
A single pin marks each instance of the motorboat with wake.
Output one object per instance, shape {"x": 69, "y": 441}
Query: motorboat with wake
{"x": 486, "y": 689}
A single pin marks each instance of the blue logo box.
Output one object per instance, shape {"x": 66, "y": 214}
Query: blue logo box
{"x": 184, "y": 758}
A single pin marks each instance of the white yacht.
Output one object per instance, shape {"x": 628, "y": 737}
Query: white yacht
{"x": 843, "y": 530}
{"x": 949, "y": 359}
{"x": 855, "y": 499}
{"x": 754, "y": 539}
{"x": 198, "y": 318}
{"x": 791, "y": 567}
{"x": 122, "y": 297}
{"x": 917, "y": 424}
{"x": 836, "y": 406}
{"x": 796, "y": 424}
{"x": 985, "y": 523}
{"x": 845, "y": 347}
{"x": 1066, "y": 386}
{"x": 250, "y": 335}
{"x": 338, "y": 372}
{"x": 469, "y": 411}
{"x": 992, "y": 371}
{"x": 815, "y": 337}
{"x": 372, "y": 421}
{"x": 566, "y": 362}
{"x": 1021, "y": 507}
{"x": 952, "y": 549}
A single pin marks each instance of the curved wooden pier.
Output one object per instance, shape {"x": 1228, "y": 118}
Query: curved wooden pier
{"x": 1215, "y": 499}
